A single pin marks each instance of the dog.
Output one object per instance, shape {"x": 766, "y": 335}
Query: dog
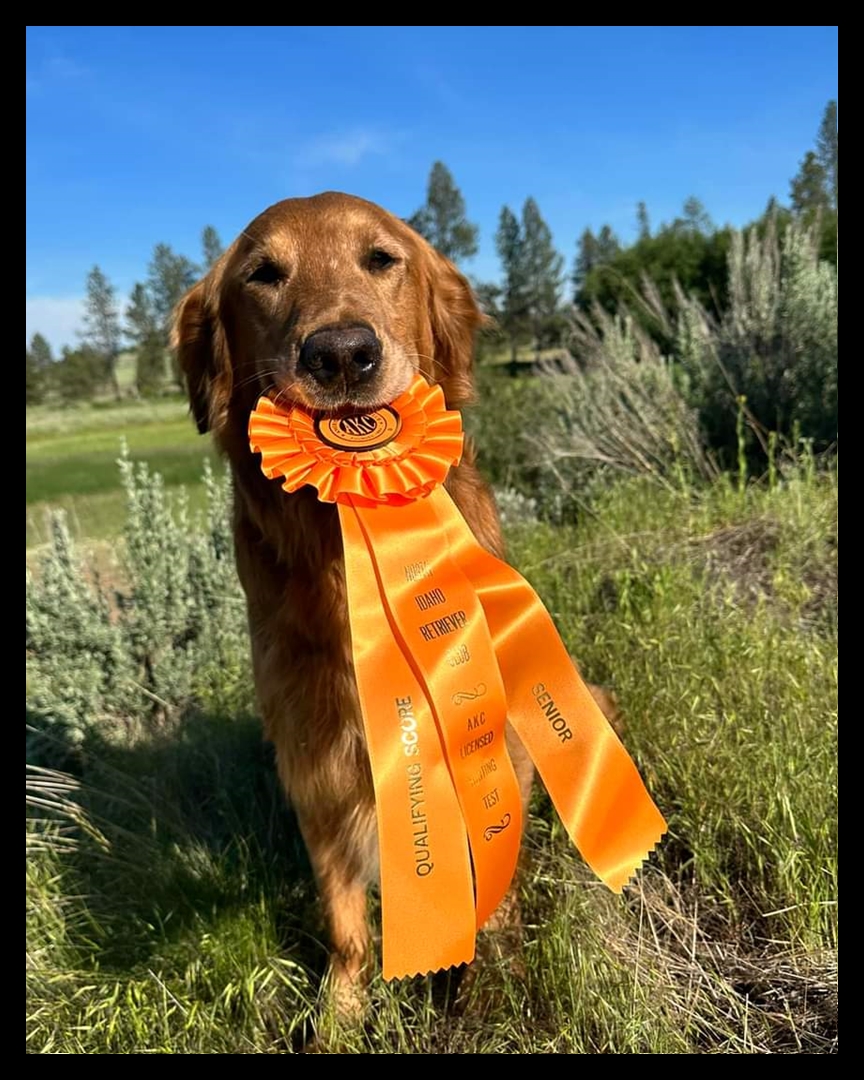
{"x": 334, "y": 303}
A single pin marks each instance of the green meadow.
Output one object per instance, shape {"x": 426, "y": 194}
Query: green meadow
{"x": 72, "y": 460}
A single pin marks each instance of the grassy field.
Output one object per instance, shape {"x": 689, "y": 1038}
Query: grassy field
{"x": 72, "y": 460}
{"x": 170, "y": 909}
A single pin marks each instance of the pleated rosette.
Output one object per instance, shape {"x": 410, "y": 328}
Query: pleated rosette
{"x": 414, "y": 461}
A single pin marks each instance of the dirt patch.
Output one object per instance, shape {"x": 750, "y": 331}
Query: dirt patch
{"x": 740, "y": 555}
{"x": 743, "y": 556}
{"x": 796, "y": 995}
{"x": 786, "y": 1001}
{"x": 821, "y": 576}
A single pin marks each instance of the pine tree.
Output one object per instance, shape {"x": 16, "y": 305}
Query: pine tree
{"x": 39, "y": 361}
{"x": 696, "y": 217}
{"x": 608, "y": 245}
{"x": 593, "y": 252}
{"x": 510, "y": 246}
{"x": 542, "y": 270}
{"x": 488, "y": 294}
{"x": 643, "y": 221}
{"x": 140, "y": 316}
{"x": 809, "y": 189}
{"x": 101, "y": 334}
{"x": 587, "y": 257}
{"x": 211, "y": 246}
{"x": 442, "y": 220}
{"x": 150, "y": 368}
{"x": 171, "y": 276}
{"x": 141, "y": 328}
{"x": 826, "y": 149}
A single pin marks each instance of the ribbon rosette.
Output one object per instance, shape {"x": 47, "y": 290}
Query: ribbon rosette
{"x": 448, "y": 644}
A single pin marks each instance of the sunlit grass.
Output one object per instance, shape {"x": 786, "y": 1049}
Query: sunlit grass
{"x": 170, "y": 908}
{"x": 72, "y": 461}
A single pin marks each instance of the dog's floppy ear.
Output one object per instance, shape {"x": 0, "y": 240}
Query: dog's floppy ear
{"x": 198, "y": 337}
{"x": 455, "y": 319}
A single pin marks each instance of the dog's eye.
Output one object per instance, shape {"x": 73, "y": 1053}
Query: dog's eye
{"x": 266, "y": 274}
{"x": 380, "y": 260}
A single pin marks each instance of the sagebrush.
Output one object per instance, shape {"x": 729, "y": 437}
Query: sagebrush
{"x": 166, "y": 628}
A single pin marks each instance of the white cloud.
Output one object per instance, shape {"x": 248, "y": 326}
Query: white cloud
{"x": 347, "y": 148}
{"x": 56, "y": 318}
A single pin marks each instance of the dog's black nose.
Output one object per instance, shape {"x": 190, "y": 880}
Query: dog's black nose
{"x": 351, "y": 351}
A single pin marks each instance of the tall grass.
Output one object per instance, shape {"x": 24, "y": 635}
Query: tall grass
{"x": 170, "y": 908}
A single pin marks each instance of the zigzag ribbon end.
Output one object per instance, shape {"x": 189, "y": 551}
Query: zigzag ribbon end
{"x": 621, "y": 882}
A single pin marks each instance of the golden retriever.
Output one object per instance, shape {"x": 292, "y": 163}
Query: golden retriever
{"x": 332, "y": 302}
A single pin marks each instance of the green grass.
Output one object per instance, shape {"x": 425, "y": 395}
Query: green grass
{"x": 717, "y": 624}
{"x": 72, "y": 460}
{"x": 170, "y": 909}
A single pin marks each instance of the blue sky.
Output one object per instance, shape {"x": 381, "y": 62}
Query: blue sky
{"x": 143, "y": 134}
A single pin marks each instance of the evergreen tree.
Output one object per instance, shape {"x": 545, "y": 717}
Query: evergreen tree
{"x": 211, "y": 246}
{"x": 141, "y": 321}
{"x": 150, "y": 367}
{"x": 696, "y": 218}
{"x": 674, "y": 255}
{"x": 488, "y": 294}
{"x": 39, "y": 361}
{"x": 587, "y": 257}
{"x": 809, "y": 189}
{"x": 608, "y": 245}
{"x": 77, "y": 374}
{"x": 142, "y": 329}
{"x": 593, "y": 252}
{"x": 171, "y": 276}
{"x": 442, "y": 220}
{"x": 826, "y": 150}
{"x": 514, "y": 293}
{"x": 542, "y": 271}
{"x": 101, "y": 334}
{"x": 643, "y": 221}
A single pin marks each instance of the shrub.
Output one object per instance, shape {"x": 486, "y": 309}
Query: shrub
{"x": 775, "y": 346}
{"x": 150, "y": 367}
{"x": 623, "y": 407}
{"x": 172, "y": 633}
{"x": 78, "y": 375}
{"x": 731, "y": 387}
{"x": 505, "y": 423}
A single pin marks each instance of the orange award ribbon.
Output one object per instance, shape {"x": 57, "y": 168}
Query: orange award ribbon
{"x": 448, "y": 644}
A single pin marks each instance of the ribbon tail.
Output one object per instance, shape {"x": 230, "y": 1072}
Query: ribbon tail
{"x": 427, "y": 891}
{"x": 439, "y": 623}
{"x": 590, "y": 777}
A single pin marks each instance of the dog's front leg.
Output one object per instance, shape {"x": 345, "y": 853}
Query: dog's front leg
{"x": 341, "y": 846}
{"x": 313, "y": 718}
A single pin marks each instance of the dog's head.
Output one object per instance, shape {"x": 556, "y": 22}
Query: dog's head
{"x": 328, "y": 301}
